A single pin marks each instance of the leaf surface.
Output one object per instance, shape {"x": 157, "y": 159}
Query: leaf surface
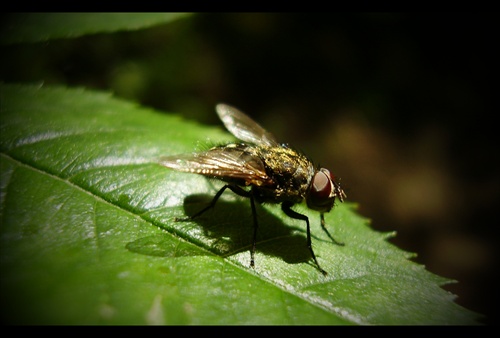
{"x": 39, "y": 27}
{"x": 88, "y": 237}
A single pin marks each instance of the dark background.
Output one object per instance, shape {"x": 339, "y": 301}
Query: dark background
{"x": 401, "y": 107}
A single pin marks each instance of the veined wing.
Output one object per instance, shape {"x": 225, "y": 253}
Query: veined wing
{"x": 243, "y": 127}
{"x": 229, "y": 162}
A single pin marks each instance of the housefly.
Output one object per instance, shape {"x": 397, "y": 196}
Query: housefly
{"x": 264, "y": 171}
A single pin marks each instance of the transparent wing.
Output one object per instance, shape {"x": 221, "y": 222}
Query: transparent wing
{"x": 226, "y": 163}
{"x": 243, "y": 127}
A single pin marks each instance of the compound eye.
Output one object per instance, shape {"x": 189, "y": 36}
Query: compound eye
{"x": 321, "y": 185}
{"x": 321, "y": 196}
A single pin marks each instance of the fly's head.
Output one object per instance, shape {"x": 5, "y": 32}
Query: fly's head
{"x": 323, "y": 191}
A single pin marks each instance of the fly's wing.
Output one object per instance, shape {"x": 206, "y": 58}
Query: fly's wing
{"x": 229, "y": 163}
{"x": 243, "y": 127}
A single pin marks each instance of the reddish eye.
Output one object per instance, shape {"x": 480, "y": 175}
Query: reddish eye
{"x": 321, "y": 185}
{"x": 320, "y": 195}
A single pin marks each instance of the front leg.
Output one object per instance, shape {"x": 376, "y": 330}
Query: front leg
{"x": 286, "y": 207}
{"x": 323, "y": 225}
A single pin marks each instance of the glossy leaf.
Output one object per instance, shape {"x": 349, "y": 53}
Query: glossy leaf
{"x": 88, "y": 237}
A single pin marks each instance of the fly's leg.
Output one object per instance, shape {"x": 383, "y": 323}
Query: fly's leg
{"x": 210, "y": 206}
{"x": 286, "y": 207}
{"x": 255, "y": 226}
{"x": 238, "y": 191}
{"x": 323, "y": 225}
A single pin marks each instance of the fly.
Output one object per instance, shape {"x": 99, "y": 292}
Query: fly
{"x": 264, "y": 171}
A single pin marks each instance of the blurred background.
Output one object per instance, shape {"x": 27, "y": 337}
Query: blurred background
{"x": 399, "y": 106}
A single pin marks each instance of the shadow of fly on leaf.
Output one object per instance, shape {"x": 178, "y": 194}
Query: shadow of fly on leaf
{"x": 229, "y": 228}
{"x": 264, "y": 171}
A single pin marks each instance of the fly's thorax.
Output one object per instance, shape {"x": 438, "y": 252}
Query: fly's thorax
{"x": 290, "y": 171}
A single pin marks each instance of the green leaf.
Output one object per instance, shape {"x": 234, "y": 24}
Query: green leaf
{"x": 88, "y": 237}
{"x": 38, "y": 27}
